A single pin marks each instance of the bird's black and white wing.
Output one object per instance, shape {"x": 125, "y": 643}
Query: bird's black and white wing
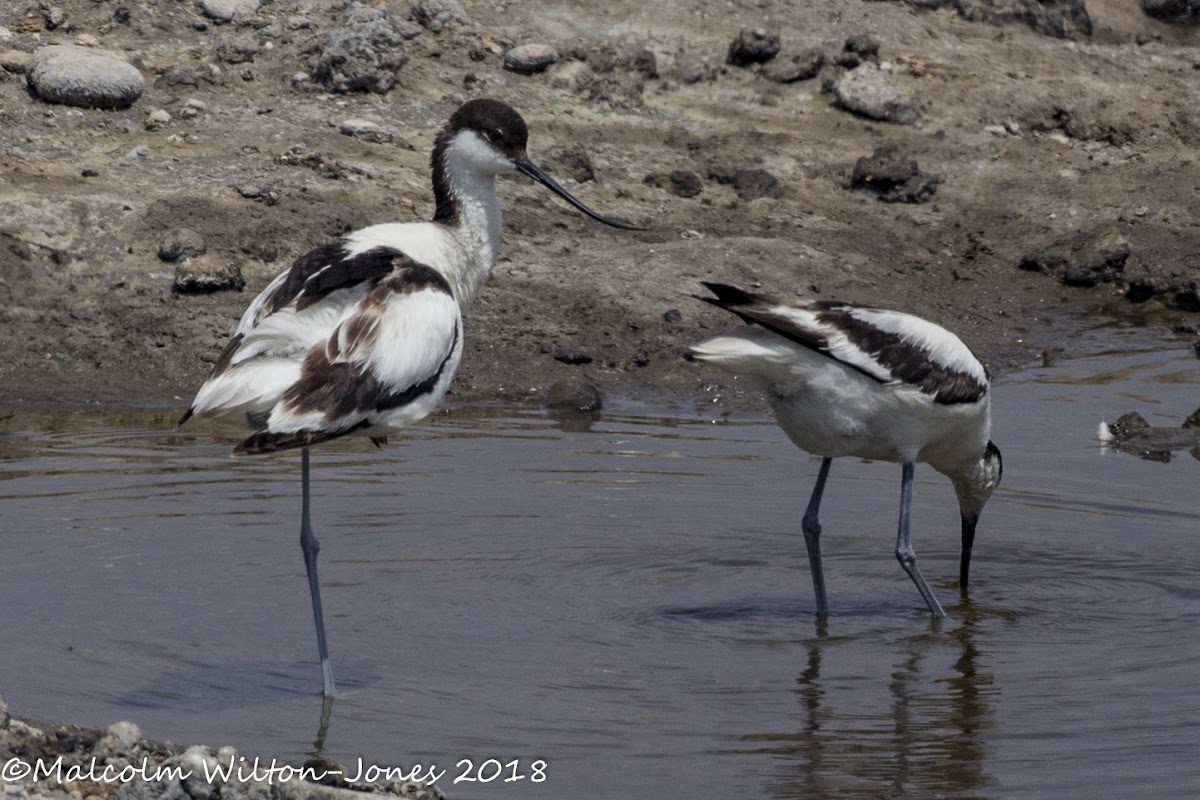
{"x": 345, "y": 339}
{"x": 891, "y": 347}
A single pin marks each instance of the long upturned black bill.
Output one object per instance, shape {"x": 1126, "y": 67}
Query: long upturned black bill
{"x": 527, "y": 167}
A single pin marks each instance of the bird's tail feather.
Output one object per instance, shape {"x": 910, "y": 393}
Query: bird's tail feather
{"x": 272, "y": 441}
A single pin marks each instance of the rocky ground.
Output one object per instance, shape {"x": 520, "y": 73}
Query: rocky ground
{"x": 1009, "y": 166}
{"x": 990, "y": 165}
{"x": 70, "y": 763}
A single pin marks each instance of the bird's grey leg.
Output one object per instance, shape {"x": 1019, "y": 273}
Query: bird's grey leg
{"x": 904, "y": 550}
{"x": 311, "y": 547}
{"x": 812, "y": 538}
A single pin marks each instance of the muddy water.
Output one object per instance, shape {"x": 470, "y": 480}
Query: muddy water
{"x": 628, "y": 601}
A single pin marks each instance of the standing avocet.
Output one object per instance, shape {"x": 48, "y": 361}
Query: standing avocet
{"x": 845, "y": 380}
{"x": 365, "y": 333}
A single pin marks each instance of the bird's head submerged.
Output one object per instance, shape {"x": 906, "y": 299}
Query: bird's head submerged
{"x": 976, "y": 486}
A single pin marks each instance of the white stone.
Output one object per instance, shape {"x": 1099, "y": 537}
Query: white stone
{"x": 123, "y": 733}
{"x": 867, "y": 91}
{"x": 230, "y": 10}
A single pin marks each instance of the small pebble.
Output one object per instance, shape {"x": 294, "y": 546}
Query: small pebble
{"x": 157, "y": 118}
{"x": 366, "y": 130}
{"x": 141, "y": 151}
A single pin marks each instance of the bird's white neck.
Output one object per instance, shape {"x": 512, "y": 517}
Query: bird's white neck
{"x": 466, "y": 204}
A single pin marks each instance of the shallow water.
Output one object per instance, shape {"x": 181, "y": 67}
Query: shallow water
{"x": 628, "y": 600}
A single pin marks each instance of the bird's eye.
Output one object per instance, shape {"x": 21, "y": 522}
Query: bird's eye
{"x": 493, "y": 134}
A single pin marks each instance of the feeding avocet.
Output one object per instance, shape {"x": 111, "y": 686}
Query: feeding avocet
{"x": 846, "y": 380}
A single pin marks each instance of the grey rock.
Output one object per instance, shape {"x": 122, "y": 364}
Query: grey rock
{"x": 872, "y": 93}
{"x": 122, "y": 735}
{"x": 157, "y": 119}
{"x": 1085, "y": 259}
{"x": 863, "y": 45}
{"x": 435, "y": 14}
{"x": 230, "y": 10}
{"x": 181, "y": 243}
{"x": 1131, "y": 433}
{"x": 572, "y": 161}
{"x": 682, "y": 183}
{"x": 573, "y": 357}
{"x": 644, "y": 62}
{"x": 15, "y": 61}
{"x": 1062, "y": 19}
{"x": 795, "y": 66}
{"x": 236, "y": 48}
{"x": 63, "y": 73}
{"x": 55, "y": 17}
{"x": 574, "y": 395}
{"x": 190, "y": 280}
{"x": 1167, "y": 10}
{"x": 695, "y": 71}
{"x": 753, "y": 46}
{"x": 571, "y": 75}
{"x": 893, "y": 176}
{"x": 365, "y": 56}
{"x": 367, "y": 131}
{"x": 750, "y": 184}
{"x": 527, "y": 59}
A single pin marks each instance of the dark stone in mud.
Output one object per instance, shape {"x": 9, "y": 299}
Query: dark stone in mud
{"x": 181, "y": 243}
{"x": 1131, "y": 433}
{"x": 574, "y": 395}
{"x": 1085, "y": 259}
{"x": 1168, "y": 10}
{"x": 753, "y": 46}
{"x": 573, "y": 161}
{"x": 644, "y": 62}
{"x": 750, "y": 184}
{"x": 681, "y": 182}
{"x": 863, "y": 45}
{"x": 190, "y": 280}
{"x": 573, "y": 357}
{"x": 893, "y": 176}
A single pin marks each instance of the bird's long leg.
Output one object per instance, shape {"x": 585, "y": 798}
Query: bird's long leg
{"x": 311, "y": 547}
{"x": 904, "y": 550}
{"x": 812, "y": 538}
